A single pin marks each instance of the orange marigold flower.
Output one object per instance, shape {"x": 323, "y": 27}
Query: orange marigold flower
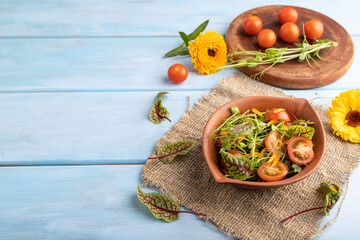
{"x": 208, "y": 52}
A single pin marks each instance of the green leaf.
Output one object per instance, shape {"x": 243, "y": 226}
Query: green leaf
{"x": 302, "y": 56}
{"x": 158, "y": 112}
{"x": 332, "y": 194}
{"x": 198, "y": 30}
{"x": 235, "y": 110}
{"x": 243, "y": 129}
{"x": 184, "y": 53}
{"x": 167, "y": 153}
{"x": 185, "y": 38}
{"x": 161, "y": 95}
{"x": 176, "y": 51}
{"x": 239, "y": 167}
{"x": 305, "y": 131}
{"x": 296, "y": 168}
{"x": 161, "y": 206}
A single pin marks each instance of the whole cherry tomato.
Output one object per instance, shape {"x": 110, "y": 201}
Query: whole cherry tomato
{"x": 270, "y": 173}
{"x": 252, "y": 25}
{"x": 314, "y": 29}
{"x": 289, "y": 32}
{"x": 288, "y": 14}
{"x": 277, "y": 114}
{"x": 266, "y": 38}
{"x": 177, "y": 73}
{"x": 300, "y": 150}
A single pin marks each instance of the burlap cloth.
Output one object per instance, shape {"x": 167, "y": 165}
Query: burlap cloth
{"x": 246, "y": 214}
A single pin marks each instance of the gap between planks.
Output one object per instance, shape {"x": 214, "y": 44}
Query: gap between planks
{"x": 74, "y": 165}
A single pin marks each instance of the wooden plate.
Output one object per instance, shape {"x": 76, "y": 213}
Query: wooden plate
{"x": 292, "y": 74}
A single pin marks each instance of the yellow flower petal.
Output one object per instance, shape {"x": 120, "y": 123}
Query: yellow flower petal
{"x": 208, "y": 52}
{"x": 347, "y": 128}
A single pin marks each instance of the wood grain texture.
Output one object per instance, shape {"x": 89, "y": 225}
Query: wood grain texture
{"x": 110, "y": 65}
{"x": 100, "y": 202}
{"x": 89, "y": 18}
{"x": 292, "y": 74}
{"x": 91, "y": 127}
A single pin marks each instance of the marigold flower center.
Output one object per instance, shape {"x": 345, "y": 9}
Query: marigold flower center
{"x": 211, "y": 53}
{"x": 353, "y": 118}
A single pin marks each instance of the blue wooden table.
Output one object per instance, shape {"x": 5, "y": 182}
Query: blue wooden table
{"x": 77, "y": 82}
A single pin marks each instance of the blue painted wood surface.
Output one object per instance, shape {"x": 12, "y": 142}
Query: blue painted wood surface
{"x": 77, "y": 81}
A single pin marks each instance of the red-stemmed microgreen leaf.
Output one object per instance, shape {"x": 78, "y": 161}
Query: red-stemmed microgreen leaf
{"x": 158, "y": 112}
{"x": 305, "y": 131}
{"x": 239, "y": 167}
{"x": 243, "y": 129}
{"x": 167, "y": 153}
{"x": 161, "y": 95}
{"x": 162, "y": 206}
{"x": 331, "y": 193}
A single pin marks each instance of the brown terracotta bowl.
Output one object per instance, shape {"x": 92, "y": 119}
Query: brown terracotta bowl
{"x": 300, "y": 107}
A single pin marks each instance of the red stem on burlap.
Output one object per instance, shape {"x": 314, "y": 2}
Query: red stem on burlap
{"x": 307, "y": 210}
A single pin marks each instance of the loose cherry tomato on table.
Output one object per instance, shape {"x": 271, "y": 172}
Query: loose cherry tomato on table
{"x": 314, "y": 29}
{"x": 252, "y": 25}
{"x": 288, "y": 14}
{"x": 270, "y": 173}
{"x": 300, "y": 150}
{"x": 177, "y": 73}
{"x": 289, "y": 32}
{"x": 273, "y": 142}
{"x": 277, "y": 114}
{"x": 266, "y": 38}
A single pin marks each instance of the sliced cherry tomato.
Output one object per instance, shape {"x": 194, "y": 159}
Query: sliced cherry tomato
{"x": 273, "y": 142}
{"x": 252, "y": 25}
{"x": 277, "y": 114}
{"x": 266, "y": 38}
{"x": 177, "y": 73}
{"x": 314, "y": 29}
{"x": 289, "y": 32}
{"x": 300, "y": 150}
{"x": 270, "y": 173}
{"x": 288, "y": 14}
{"x": 222, "y": 163}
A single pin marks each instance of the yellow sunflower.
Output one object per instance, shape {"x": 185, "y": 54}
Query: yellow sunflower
{"x": 345, "y": 115}
{"x": 208, "y": 52}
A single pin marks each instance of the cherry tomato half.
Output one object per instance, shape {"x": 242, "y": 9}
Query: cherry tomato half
{"x": 288, "y": 14}
{"x": 300, "y": 150}
{"x": 314, "y": 29}
{"x": 273, "y": 142}
{"x": 222, "y": 163}
{"x": 252, "y": 25}
{"x": 177, "y": 73}
{"x": 270, "y": 173}
{"x": 266, "y": 38}
{"x": 289, "y": 32}
{"x": 277, "y": 114}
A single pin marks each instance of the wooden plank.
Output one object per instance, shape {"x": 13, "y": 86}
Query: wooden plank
{"x": 100, "y": 202}
{"x": 88, "y": 18}
{"x": 90, "y": 127}
{"x": 109, "y": 64}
